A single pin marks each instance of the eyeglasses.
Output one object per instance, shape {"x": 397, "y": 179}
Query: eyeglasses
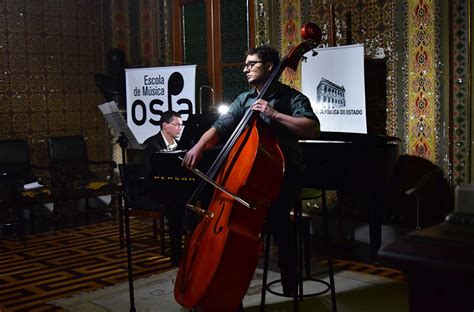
{"x": 179, "y": 126}
{"x": 250, "y": 64}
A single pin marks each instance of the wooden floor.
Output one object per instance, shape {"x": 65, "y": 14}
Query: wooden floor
{"x": 70, "y": 261}
{"x": 65, "y": 262}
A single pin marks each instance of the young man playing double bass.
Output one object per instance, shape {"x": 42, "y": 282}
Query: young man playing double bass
{"x": 289, "y": 114}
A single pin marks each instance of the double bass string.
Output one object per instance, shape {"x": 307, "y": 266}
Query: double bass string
{"x": 310, "y": 31}
{"x": 236, "y": 134}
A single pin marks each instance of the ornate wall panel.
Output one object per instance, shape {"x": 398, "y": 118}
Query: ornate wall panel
{"x": 262, "y": 23}
{"x": 149, "y": 31}
{"x": 139, "y": 28}
{"x": 422, "y": 123}
{"x": 460, "y": 118}
{"x": 49, "y": 53}
{"x": 120, "y": 25}
{"x": 290, "y": 25}
{"x": 164, "y": 33}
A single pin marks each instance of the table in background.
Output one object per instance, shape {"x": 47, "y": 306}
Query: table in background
{"x": 439, "y": 265}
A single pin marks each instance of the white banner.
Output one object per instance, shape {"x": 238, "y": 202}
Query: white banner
{"x": 333, "y": 80}
{"x": 155, "y": 90}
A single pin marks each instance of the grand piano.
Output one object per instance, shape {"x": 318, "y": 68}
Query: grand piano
{"x": 171, "y": 182}
{"x": 359, "y": 167}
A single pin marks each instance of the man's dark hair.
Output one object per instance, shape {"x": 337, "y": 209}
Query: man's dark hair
{"x": 265, "y": 53}
{"x": 168, "y": 116}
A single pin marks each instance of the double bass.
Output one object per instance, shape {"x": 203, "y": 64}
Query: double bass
{"x": 221, "y": 256}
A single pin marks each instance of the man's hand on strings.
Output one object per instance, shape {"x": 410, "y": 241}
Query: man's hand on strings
{"x": 263, "y": 107}
{"x": 192, "y": 157}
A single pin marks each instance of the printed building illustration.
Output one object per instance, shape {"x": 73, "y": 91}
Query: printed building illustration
{"x": 330, "y": 95}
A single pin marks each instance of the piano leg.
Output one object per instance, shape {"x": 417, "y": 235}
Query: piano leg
{"x": 375, "y": 216}
{"x": 340, "y": 217}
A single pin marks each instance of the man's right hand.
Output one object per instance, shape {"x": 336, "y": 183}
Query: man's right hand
{"x": 209, "y": 139}
{"x": 192, "y": 157}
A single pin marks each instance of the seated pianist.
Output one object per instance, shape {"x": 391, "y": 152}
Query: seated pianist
{"x": 174, "y": 206}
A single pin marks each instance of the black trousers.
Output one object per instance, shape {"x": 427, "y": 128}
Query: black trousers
{"x": 174, "y": 212}
{"x": 280, "y": 227}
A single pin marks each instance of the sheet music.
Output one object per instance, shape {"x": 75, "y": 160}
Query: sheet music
{"x": 115, "y": 120}
{"x": 165, "y": 151}
{"x": 32, "y": 186}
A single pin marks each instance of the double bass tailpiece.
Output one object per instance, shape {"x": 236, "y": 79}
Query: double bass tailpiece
{"x": 219, "y": 187}
{"x": 200, "y": 211}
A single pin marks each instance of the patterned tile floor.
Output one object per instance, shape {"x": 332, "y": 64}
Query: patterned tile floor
{"x": 64, "y": 262}
{"x": 69, "y": 261}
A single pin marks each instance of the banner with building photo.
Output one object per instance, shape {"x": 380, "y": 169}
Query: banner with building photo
{"x": 333, "y": 80}
{"x": 152, "y": 91}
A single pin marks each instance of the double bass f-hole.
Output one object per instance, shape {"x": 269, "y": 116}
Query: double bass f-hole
{"x": 219, "y": 230}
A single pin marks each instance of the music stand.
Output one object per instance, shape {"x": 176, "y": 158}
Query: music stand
{"x": 126, "y": 138}
{"x": 117, "y": 123}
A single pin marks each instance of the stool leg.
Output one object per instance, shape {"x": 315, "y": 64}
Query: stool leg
{"x": 162, "y": 235}
{"x": 120, "y": 221}
{"x": 129, "y": 261}
{"x": 298, "y": 295}
{"x": 307, "y": 248}
{"x": 155, "y": 229}
{"x": 328, "y": 248}
{"x": 265, "y": 271}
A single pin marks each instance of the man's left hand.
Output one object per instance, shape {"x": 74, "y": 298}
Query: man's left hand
{"x": 263, "y": 107}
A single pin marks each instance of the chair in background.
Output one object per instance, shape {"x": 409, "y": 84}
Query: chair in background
{"x": 74, "y": 176}
{"x": 16, "y": 171}
{"x": 11, "y": 207}
{"x": 418, "y": 195}
{"x": 138, "y": 201}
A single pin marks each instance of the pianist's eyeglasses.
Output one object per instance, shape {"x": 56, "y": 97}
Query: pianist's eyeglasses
{"x": 179, "y": 126}
{"x": 251, "y": 64}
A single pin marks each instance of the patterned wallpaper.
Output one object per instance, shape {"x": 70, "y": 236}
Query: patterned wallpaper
{"x": 461, "y": 123}
{"x": 49, "y": 53}
{"x": 407, "y": 35}
{"x": 50, "y": 50}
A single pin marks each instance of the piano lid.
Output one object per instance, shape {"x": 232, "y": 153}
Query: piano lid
{"x": 347, "y": 137}
{"x": 339, "y": 160}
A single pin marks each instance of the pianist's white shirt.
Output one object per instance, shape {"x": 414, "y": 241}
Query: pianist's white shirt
{"x": 169, "y": 146}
